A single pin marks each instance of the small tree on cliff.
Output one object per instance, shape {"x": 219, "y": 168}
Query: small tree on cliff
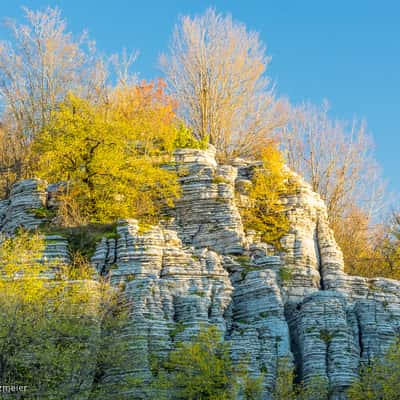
{"x": 216, "y": 68}
{"x": 266, "y": 213}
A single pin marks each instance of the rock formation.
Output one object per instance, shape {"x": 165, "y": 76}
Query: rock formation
{"x": 199, "y": 267}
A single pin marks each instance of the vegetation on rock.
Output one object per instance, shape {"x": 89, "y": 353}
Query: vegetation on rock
{"x": 266, "y": 212}
{"x": 380, "y": 378}
{"x": 202, "y": 369}
{"x": 54, "y": 333}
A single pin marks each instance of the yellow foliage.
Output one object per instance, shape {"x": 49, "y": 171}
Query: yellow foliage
{"x": 369, "y": 250}
{"x": 110, "y": 158}
{"x": 266, "y": 213}
{"x": 50, "y": 334}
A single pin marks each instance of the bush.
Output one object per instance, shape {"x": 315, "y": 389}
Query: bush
{"x": 380, "y": 378}
{"x": 202, "y": 369}
{"x": 266, "y": 213}
{"x": 286, "y": 388}
{"x": 55, "y": 334}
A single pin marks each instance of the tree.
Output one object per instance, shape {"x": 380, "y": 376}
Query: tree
{"x": 110, "y": 159}
{"x": 11, "y": 149}
{"x": 380, "y": 378}
{"x": 50, "y": 328}
{"x": 339, "y": 164}
{"x": 358, "y": 239}
{"x": 41, "y": 64}
{"x": 286, "y": 388}
{"x": 216, "y": 69}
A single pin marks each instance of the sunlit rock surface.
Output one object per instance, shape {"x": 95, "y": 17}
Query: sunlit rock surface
{"x": 199, "y": 267}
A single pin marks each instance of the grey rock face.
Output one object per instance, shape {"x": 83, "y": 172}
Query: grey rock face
{"x": 18, "y": 210}
{"x": 173, "y": 290}
{"x": 201, "y": 268}
{"x": 23, "y": 209}
{"x": 206, "y": 214}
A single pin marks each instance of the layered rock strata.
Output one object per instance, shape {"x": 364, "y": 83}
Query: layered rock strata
{"x": 199, "y": 267}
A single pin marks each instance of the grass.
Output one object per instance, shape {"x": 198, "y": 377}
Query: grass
{"x": 220, "y": 179}
{"x": 83, "y": 239}
{"x": 286, "y": 275}
{"x": 43, "y": 213}
{"x": 325, "y": 336}
{"x": 179, "y": 328}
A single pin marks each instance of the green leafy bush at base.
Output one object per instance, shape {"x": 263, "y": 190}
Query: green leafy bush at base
{"x": 380, "y": 378}
{"x": 202, "y": 369}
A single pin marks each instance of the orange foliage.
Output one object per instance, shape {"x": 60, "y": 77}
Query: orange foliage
{"x": 149, "y": 112}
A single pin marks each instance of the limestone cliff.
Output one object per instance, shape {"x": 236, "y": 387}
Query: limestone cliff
{"x": 200, "y": 267}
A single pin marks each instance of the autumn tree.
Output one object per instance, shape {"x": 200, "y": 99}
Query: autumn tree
{"x": 216, "y": 69}
{"x": 388, "y": 247}
{"x": 110, "y": 158}
{"x": 41, "y": 65}
{"x": 50, "y": 326}
{"x": 373, "y": 252}
{"x": 338, "y": 161}
{"x": 11, "y": 150}
{"x": 38, "y": 67}
{"x": 358, "y": 238}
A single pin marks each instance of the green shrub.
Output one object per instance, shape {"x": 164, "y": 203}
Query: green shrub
{"x": 203, "y": 369}
{"x": 380, "y": 378}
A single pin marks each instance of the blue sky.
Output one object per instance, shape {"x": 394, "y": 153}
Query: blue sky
{"x": 345, "y": 51}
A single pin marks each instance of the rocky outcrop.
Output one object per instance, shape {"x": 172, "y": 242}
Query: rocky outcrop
{"x": 29, "y": 203}
{"x": 206, "y": 215}
{"x": 199, "y": 267}
{"x": 174, "y": 290}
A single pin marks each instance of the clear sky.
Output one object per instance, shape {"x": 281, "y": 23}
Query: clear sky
{"x": 347, "y": 51}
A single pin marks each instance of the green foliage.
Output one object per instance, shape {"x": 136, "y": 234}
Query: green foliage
{"x": 266, "y": 213}
{"x": 219, "y": 179}
{"x": 111, "y": 170}
{"x": 54, "y": 334}
{"x": 379, "y": 379}
{"x": 286, "y": 388}
{"x": 284, "y": 384}
{"x": 44, "y": 213}
{"x": 202, "y": 369}
{"x": 179, "y": 327}
{"x": 185, "y": 139}
{"x": 252, "y": 387}
{"x": 326, "y": 336}
{"x": 243, "y": 260}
